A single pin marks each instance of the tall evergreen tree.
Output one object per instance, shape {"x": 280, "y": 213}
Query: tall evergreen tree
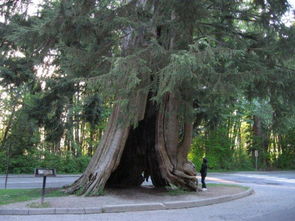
{"x": 162, "y": 62}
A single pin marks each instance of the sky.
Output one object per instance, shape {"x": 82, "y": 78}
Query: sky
{"x": 289, "y": 18}
{"x": 292, "y": 2}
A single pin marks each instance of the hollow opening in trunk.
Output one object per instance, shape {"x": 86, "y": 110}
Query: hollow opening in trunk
{"x": 139, "y": 160}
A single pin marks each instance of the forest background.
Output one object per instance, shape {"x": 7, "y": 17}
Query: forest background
{"x": 53, "y": 114}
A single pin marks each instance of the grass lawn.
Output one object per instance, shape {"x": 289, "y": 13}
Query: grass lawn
{"x": 19, "y": 195}
{"x": 176, "y": 191}
{"x": 227, "y": 185}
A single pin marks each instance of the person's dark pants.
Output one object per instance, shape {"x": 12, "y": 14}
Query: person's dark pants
{"x": 203, "y": 182}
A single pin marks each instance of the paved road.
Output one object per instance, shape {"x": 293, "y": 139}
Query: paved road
{"x": 281, "y": 178}
{"x": 29, "y": 181}
{"x": 274, "y": 200}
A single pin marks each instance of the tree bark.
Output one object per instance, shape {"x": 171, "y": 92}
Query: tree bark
{"x": 126, "y": 156}
{"x": 105, "y": 159}
{"x": 174, "y": 166}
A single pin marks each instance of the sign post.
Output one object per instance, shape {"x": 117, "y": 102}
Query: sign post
{"x": 256, "y": 158}
{"x": 39, "y": 172}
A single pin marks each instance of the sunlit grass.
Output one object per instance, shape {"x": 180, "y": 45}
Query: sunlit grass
{"x": 19, "y": 195}
{"x": 227, "y": 185}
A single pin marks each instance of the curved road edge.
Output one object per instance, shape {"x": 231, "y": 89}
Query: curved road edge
{"x": 129, "y": 207}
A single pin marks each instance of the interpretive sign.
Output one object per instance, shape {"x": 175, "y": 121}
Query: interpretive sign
{"x": 256, "y": 153}
{"x": 44, "y": 172}
{"x": 41, "y": 172}
{"x": 256, "y": 158}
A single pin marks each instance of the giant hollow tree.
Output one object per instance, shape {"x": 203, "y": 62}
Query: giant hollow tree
{"x": 174, "y": 57}
{"x": 150, "y": 130}
{"x": 159, "y": 63}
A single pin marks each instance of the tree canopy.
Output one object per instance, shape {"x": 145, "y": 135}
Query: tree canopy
{"x": 225, "y": 67}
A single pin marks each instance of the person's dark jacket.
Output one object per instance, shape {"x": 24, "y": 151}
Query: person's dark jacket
{"x": 204, "y": 167}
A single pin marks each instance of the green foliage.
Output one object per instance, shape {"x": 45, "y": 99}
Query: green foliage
{"x": 209, "y": 145}
{"x": 226, "y": 62}
{"x": 3, "y": 160}
{"x": 217, "y": 147}
{"x": 287, "y": 158}
{"x": 197, "y": 152}
{"x": 92, "y": 110}
{"x": 99, "y": 192}
{"x": 65, "y": 163}
{"x": 263, "y": 110}
{"x": 241, "y": 160}
{"x": 26, "y": 163}
{"x": 176, "y": 191}
{"x": 16, "y": 71}
{"x": 24, "y": 134}
{"x": 227, "y": 185}
{"x": 79, "y": 192}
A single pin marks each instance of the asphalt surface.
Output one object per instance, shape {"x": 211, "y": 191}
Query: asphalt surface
{"x": 30, "y": 181}
{"x": 274, "y": 199}
{"x": 279, "y": 178}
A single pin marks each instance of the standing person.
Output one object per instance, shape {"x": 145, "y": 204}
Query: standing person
{"x": 203, "y": 172}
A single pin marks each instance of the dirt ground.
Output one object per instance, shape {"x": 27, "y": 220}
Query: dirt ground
{"x": 145, "y": 194}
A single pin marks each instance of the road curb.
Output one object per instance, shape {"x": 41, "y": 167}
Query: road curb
{"x": 128, "y": 207}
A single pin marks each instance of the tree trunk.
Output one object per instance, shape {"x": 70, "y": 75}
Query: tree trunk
{"x": 76, "y": 125}
{"x": 105, "y": 159}
{"x": 261, "y": 141}
{"x": 91, "y": 136}
{"x": 126, "y": 155}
